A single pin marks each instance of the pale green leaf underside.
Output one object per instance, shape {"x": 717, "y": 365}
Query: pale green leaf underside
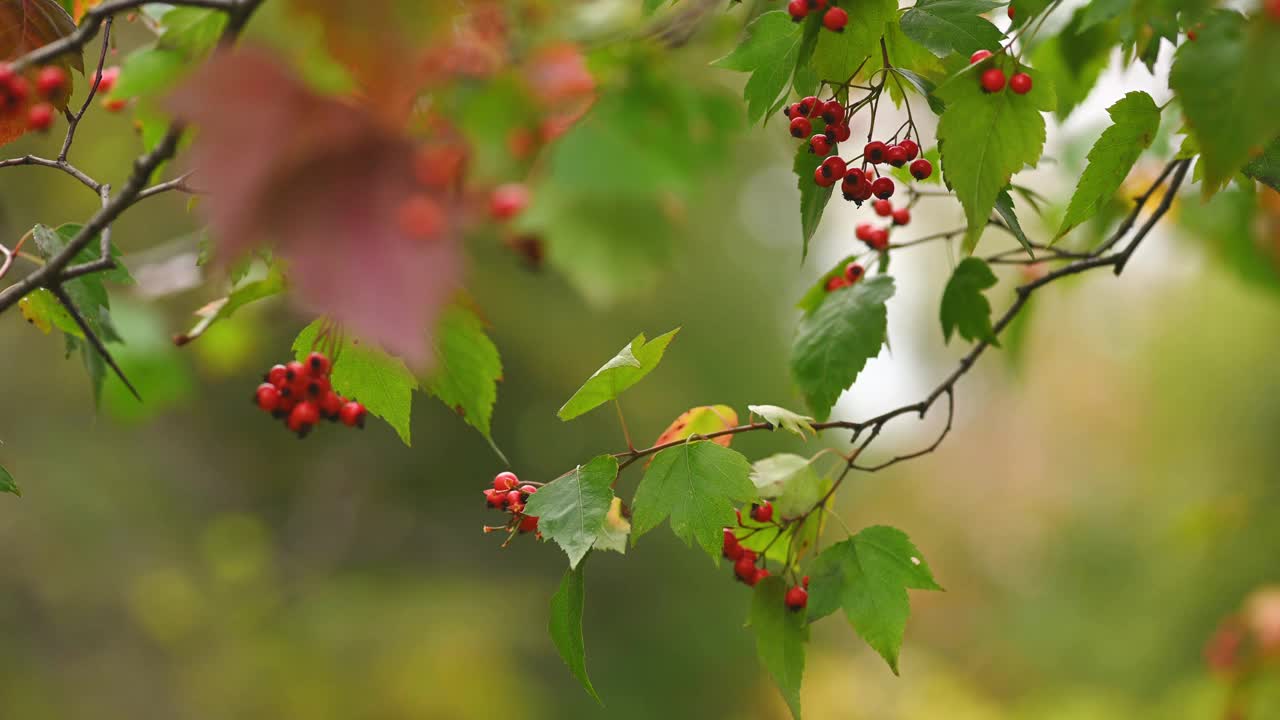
{"x": 626, "y": 368}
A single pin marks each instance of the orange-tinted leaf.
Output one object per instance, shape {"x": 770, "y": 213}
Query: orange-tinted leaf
{"x": 325, "y": 182}
{"x": 29, "y": 24}
{"x": 701, "y": 420}
{"x": 80, "y": 7}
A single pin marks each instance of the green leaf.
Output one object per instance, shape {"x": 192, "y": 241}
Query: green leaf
{"x": 813, "y": 198}
{"x": 964, "y": 307}
{"x": 839, "y": 54}
{"x": 984, "y": 138}
{"x": 696, "y": 485}
{"x": 41, "y": 308}
{"x": 1266, "y": 167}
{"x": 364, "y": 372}
{"x": 834, "y": 343}
{"x": 770, "y": 53}
{"x": 903, "y": 174}
{"x": 614, "y": 531}
{"x": 571, "y": 509}
{"x": 783, "y": 418}
{"x": 952, "y": 26}
{"x": 270, "y": 285}
{"x": 87, "y": 292}
{"x": 868, "y": 576}
{"x": 1004, "y": 208}
{"x": 627, "y": 368}
{"x": 1227, "y": 224}
{"x": 150, "y": 71}
{"x": 1073, "y": 59}
{"x": 789, "y": 481}
{"x": 1134, "y": 122}
{"x": 7, "y": 483}
{"x": 467, "y": 368}
{"x": 566, "y": 626}
{"x": 781, "y": 634}
{"x": 817, "y": 292}
{"x": 1228, "y": 89}
{"x": 192, "y": 31}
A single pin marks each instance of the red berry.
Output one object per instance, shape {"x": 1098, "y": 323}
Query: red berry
{"x": 801, "y": 127}
{"x": 761, "y": 574}
{"x": 874, "y": 152}
{"x": 820, "y": 144}
{"x": 528, "y": 489}
{"x": 267, "y": 397}
{"x": 732, "y": 548}
{"x": 40, "y": 117}
{"x": 901, "y": 216}
{"x": 295, "y": 371}
{"x": 745, "y": 566}
{"x": 513, "y": 501}
{"x": 864, "y": 232}
{"x": 835, "y": 282}
{"x": 993, "y": 80}
{"x": 505, "y": 481}
{"x": 1020, "y": 83}
{"x": 979, "y": 56}
{"x": 895, "y": 156}
{"x": 528, "y": 523}
{"x": 331, "y": 405}
{"x": 1009, "y": 12}
{"x": 319, "y": 364}
{"x": 1191, "y": 35}
{"x": 107, "y": 80}
{"x": 796, "y": 598}
{"x": 114, "y": 104}
{"x": 853, "y": 272}
{"x": 276, "y": 375}
{"x": 303, "y": 417}
{"x": 810, "y": 107}
{"x": 793, "y": 111}
{"x": 51, "y": 81}
{"x": 821, "y": 178}
{"x": 835, "y": 19}
{"x": 883, "y": 208}
{"x": 508, "y": 201}
{"x": 882, "y": 188}
{"x": 353, "y": 414}
{"x": 921, "y": 169}
{"x": 762, "y": 512}
{"x": 493, "y": 498}
{"x": 910, "y": 147}
{"x": 13, "y": 93}
{"x": 805, "y": 582}
{"x": 833, "y": 112}
{"x": 879, "y": 239}
{"x": 834, "y": 168}
{"x": 798, "y": 9}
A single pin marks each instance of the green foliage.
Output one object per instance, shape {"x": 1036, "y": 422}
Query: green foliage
{"x": 467, "y": 368}
{"x": 984, "y": 138}
{"x": 834, "y": 342}
{"x": 87, "y": 292}
{"x": 770, "y": 52}
{"x": 566, "y": 626}
{"x": 1228, "y": 102}
{"x": 817, "y": 292}
{"x": 785, "y": 419}
{"x": 1073, "y": 60}
{"x": 781, "y": 635}
{"x": 964, "y": 307}
{"x": 8, "y": 484}
{"x": 695, "y": 485}
{"x": 364, "y": 372}
{"x": 1226, "y": 225}
{"x": 571, "y": 509}
{"x": 627, "y": 368}
{"x": 952, "y": 26}
{"x": 868, "y": 576}
{"x": 813, "y": 198}
{"x": 189, "y": 33}
{"x": 837, "y": 55}
{"x": 1004, "y": 208}
{"x": 1134, "y": 122}
{"x": 1265, "y": 168}
{"x": 789, "y": 481}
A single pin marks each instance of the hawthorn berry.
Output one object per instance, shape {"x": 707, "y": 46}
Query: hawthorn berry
{"x": 822, "y": 178}
{"x": 834, "y": 168}
{"x": 882, "y": 188}
{"x": 801, "y": 127}
{"x": 331, "y": 405}
{"x": 843, "y": 132}
{"x": 40, "y": 117}
{"x": 810, "y": 107}
{"x": 114, "y": 104}
{"x": 1009, "y": 12}
{"x": 1191, "y": 35}
{"x": 910, "y": 147}
{"x": 921, "y": 169}
{"x": 798, "y": 9}
{"x": 979, "y": 56}
{"x": 836, "y": 19}
{"x": 793, "y": 111}
{"x": 761, "y": 574}
{"x": 528, "y": 524}
{"x": 51, "y": 81}
{"x": 874, "y": 152}
{"x": 513, "y": 501}
{"x": 745, "y": 567}
{"x": 864, "y": 232}
{"x": 353, "y": 414}
{"x": 106, "y": 80}
{"x": 993, "y": 80}
{"x": 505, "y": 481}
{"x": 267, "y": 397}
{"x": 508, "y": 201}
{"x": 835, "y": 282}
{"x": 762, "y": 512}
{"x": 13, "y": 92}
{"x": 832, "y": 112}
{"x": 901, "y": 216}
{"x": 1020, "y": 83}
{"x": 295, "y": 371}
{"x": 493, "y": 498}
{"x": 883, "y": 208}
{"x": 895, "y": 156}
{"x": 319, "y": 364}
{"x": 805, "y": 582}
{"x": 732, "y": 548}
{"x": 303, "y": 417}
{"x": 820, "y": 144}
{"x": 796, "y": 598}
{"x": 853, "y": 272}
{"x": 879, "y": 239}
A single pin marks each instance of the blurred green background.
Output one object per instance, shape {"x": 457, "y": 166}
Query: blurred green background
{"x": 1109, "y": 493}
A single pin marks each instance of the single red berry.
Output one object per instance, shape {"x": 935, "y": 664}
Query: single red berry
{"x": 901, "y": 216}
{"x": 514, "y": 502}
{"x": 895, "y": 156}
{"x": 762, "y": 512}
{"x": 13, "y": 93}
{"x": 1020, "y": 83}
{"x": 801, "y": 127}
{"x": 732, "y": 548}
{"x": 864, "y": 232}
{"x": 883, "y": 208}
{"x": 319, "y": 364}
{"x": 528, "y": 524}
{"x": 40, "y": 117}
{"x": 910, "y": 147}
{"x": 882, "y": 188}
{"x": 331, "y": 405}
{"x": 835, "y": 282}
{"x": 874, "y": 152}
{"x": 810, "y": 107}
{"x": 853, "y": 272}
{"x": 1009, "y": 12}
{"x": 505, "y": 481}
{"x": 276, "y": 375}
{"x": 51, "y": 81}
{"x": 993, "y": 80}
{"x": 833, "y": 112}
{"x": 493, "y": 498}
{"x": 979, "y": 56}
{"x": 843, "y": 132}
{"x": 879, "y": 239}
{"x": 796, "y": 598}
{"x": 353, "y": 414}
{"x": 303, "y": 417}
{"x": 508, "y": 201}
{"x": 528, "y": 489}
{"x": 793, "y": 111}
{"x": 745, "y": 566}
{"x": 1191, "y": 35}
{"x": 294, "y": 371}
{"x": 820, "y": 144}
{"x": 107, "y": 79}
{"x": 798, "y": 9}
{"x": 114, "y": 105}
{"x": 821, "y": 178}
{"x": 761, "y": 574}
{"x": 921, "y": 169}
{"x": 267, "y": 397}
{"x": 834, "y": 168}
{"x": 805, "y": 581}
{"x": 835, "y": 20}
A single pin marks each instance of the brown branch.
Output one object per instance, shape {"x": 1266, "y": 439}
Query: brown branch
{"x": 91, "y": 337}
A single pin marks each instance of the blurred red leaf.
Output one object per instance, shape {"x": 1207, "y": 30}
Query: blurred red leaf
{"x": 24, "y": 26}
{"x": 326, "y": 183}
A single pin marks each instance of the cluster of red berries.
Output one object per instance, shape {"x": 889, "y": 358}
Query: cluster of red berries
{"x": 853, "y": 272}
{"x": 993, "y": 79}
{"x": 833, "y": 18}
{"x": 300, "y": 395}
{"x": 508, "y": 495}
{"x": 51, "y": 85}
{"x": 746, "y": 562}
{"x": 831, "y": 113}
